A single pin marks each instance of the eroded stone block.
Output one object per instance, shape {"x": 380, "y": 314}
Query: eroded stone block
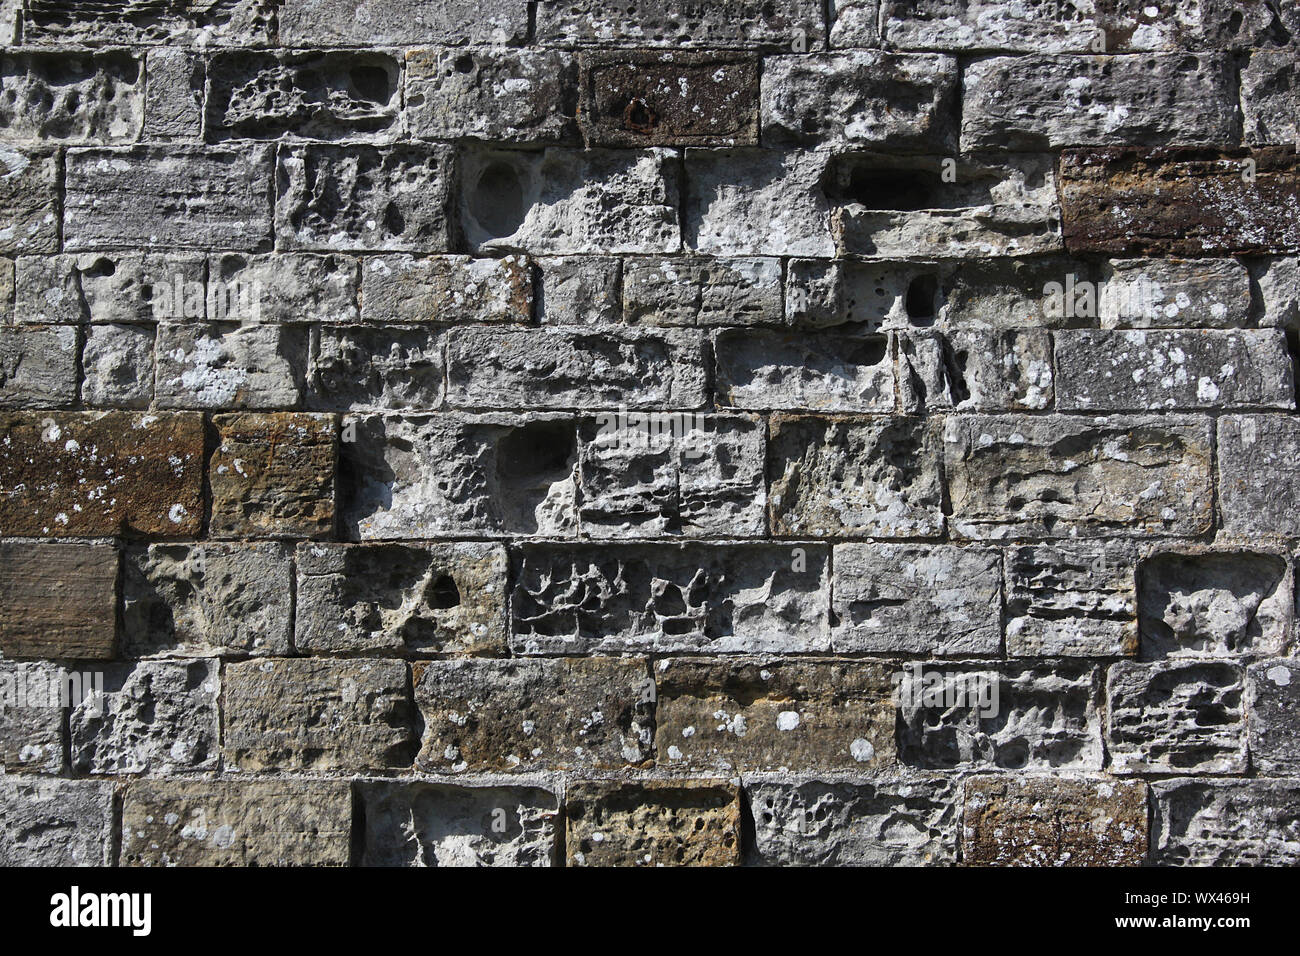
{"x": 295, "y": 287}
{"x": 1269, "y": 101}
{"x": 1249, "y": 448}
{"x": 451, "y": 289}
{"x": 224, "y": 23}
{"x": 117, "y": 361}
{"x": 38, "y": 366}
{"x": 173, "y": 103}
{"x": 58, "y": 600}
{"x": 29, "y": 202}
{"x": 656, "y": 23}
{"x": 797, "y": 370}
{"x": 31, "y": 716}
{"x": 652, "y": 823}
{"x": 1071, "y": 600}
{"x": 1206, "y": 822}
{"x": 976, "y": 369}
{"x": 1273, "y": 702}
{"x": 689, "y": 291}
{"x": 71, "y": 97}
{"x": 1174, "y": 293}
{"x": 110, "y": 287}
{"x": 226, "y": 365}
{"x": 360, "y": 368}
{"x": 396, "y": 22}
{"x": 579, "y": 290}
{"x": 55, "y": 822}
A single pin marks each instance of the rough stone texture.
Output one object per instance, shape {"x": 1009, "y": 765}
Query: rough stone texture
{"x": 1207, "y": 822}
{"x": 1214, "y": 604}
{"x": 173, "y": 104}
{"x": 156, "y": 717}
{"x": 1272, "y": 693}
{"x": 58, "y": 600}
{"x": 110, "y": 287}
{"x": 450, "y": 289}
{"x": 1278, "y": 282}
{"x": 88, "y": 473}
{"x": 178, "y": 198}
{"x": 565, "y": 201}
{"x": 1064, "y": 476}
{"x": 1252, "y": 446}
{"x": 31, "y": 718}
{"x": 864, "y": 99}
{"x": 236, "y": 823}
{"x": 666, "y": 598}
{"x": 1032, "y": 103}
{"x": 1268, "y": 97}
{"x": 756, "y": 715}
{"x": 381, "y": 22}
{"x": 941, "y": 600}
{"x": 702, "y": 291}
{"x": 225, "y": 365}
{"x": 1071, "y": 600}
{"x": 385, "y": 598}
{"x": 1154, "y": 370}
{"x": 273, "y": 475}
{"x": 823, "y": 372}
{"x": 516, "y": 95}
{"x": 854, "y": 477}
{"x": 118, "y": 364}
{"x": 359, "y": 368}
{"x": 342, "y": 715}
{"x": 38, "y": 366}
{"x": 579, "y": 290}
{"x": 1176, "y": 717}
{"x": 1054, "y": 821}
{"x": 1045, "y": 719}
{"x": 283, "y": 288}
{"x": 521, "y": 715}
{"x": 669, "y": 99}
{"x": 652, "y": 823}
{"x": 1175, "y": 293}
{"x": 177, "y": 21}
{"x": 429, "y": 824}
{"x": 976, "y": 370}
{"x": 1178, "y": 202}
{"x": 49, "y": 822}
{"x": 656, "y": 23}
{"x": 883, "y": 822}
{"x": 29, "y": 202}
{"x": 389, "y": 199}
{"x": 71, "y": 97}
{"x": 206, "y": 600}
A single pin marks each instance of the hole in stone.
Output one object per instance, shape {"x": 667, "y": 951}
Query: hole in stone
{"x": 497, "y": 201}
{"x": 101, "y": 269}
{"x": 371, "y": 83}
{"x": 465, "y": 63}
{"x": 920, "y": 299}
{"x": 534, "y": 450}
{"x": 443, "y": 593}
{"x": 638, "y": 116}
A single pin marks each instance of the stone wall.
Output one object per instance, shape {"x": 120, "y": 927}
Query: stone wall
{"x": 654, "y": 432}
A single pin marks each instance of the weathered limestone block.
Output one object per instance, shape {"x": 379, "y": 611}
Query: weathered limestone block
{"x": 1014, "y": 293}
{"x": 854, "y": 23}
{"x": 1278, "y": 279}
{"x": 655, "y": 474}
{"x": 1179, "y": 202}
{"x": 522, "y": 96}
{"x": 657, "y": 23}
{"x": 519, "y": 715}
{"x": 1207, "y": 822}
{"x": 1176, "y": 717}
{"x": 206, "y": 600}
{"x": 1177, "y": 293}
{"x": 38, "y": 366}
{"x": 866, "y": 98}
{"x": 1046, "y": 102}
{"x": 430, "y": 824}
{"x": 892, "y": 206}
{"x": 756, "y": 202}
{"x": 1045, "y": 26}
{"x": 294, "y": 287}
{"x": 1222, "y": 603}
{"x": 183, "y": 22}
{"x": 1153, "y": 370}
{"x": 1269, "y": 102}
{"x": 110, "y": 287}
{"x": 652, "y": 823}
{"x": 396, "y": 22}
{"x": 430, "y": 476}
{"x": 702, "y": 291}
{"x": 388, "y": 199}
{"x": 579, "y": 290}
{"x": 363, "y": 368}
{"x": 227, "y": 365}
{"x": 262, "y": 95}
{"x": 1066, "y": 476}
{"x": 1259, "y": 473}
{"x": 173, "y": 103}
{"x": 1010, "y": 717}
{"x": 554, "y": 368}
{"x": 117, "y": 361}
{"x": 671, "y": 98}
{"x": 156, "y": 717}
{"x": 58, "y": 600}
{"x": 47, "y": 822}
{"x": 568, "y": 201}
{"x": 880, "y": 822}
{"x": 854, "y": 477}
{"x": 236, "y": 823}
{"x": 1071, "y": 600}
{"x": 822, "y": 372}
{"x": 733, "y": 716}
{"x": 666, "y": 598}
{"x": 1054, "y": 821}
{"x": 975, "y": 369}
{"x": 89, "y": 473}
{"x": 180, "y": 197}
{"x": 31, "y": 717}
{"x": 314, "y": 715}
{"x": 917, "y": 599}
{"x": 71, "y": 97}
{"x": 452, "y": 289}
{"x": 29, "y": 202}
{"x": 273, "y": 475}
{"x": 1273, "y": 703}
{"x": 383, "y": 598}
{"x": 823, "y": 293}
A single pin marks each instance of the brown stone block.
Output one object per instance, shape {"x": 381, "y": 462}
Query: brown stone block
{"x": 58, "y": 600}
{"x": 653, "y": 823}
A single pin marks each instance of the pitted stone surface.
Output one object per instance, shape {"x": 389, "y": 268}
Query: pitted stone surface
{"x": 654, "y": 823}
{"x": 31, "y": 718}
{"x": 450, "y": 289}
{"x": 1272, "y": 695}
{"x": 1071, "y": 600}
{"x": 49, "y": 822}
{"x": 71, "y": 98}
{"x": 1208, "y": 822}
{"x": 1251, "y": 446}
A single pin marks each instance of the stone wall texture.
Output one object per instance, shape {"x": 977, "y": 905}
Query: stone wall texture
{"x": 663, "y": 432}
